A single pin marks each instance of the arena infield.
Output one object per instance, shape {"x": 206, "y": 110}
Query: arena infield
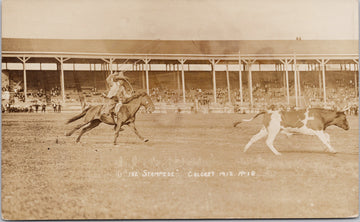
{"x": 192, "y": 167}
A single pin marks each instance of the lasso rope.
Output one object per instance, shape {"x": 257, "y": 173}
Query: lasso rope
{"x": 132, "y": 89}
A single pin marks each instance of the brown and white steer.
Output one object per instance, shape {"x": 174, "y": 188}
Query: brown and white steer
{"x": 312, "y": 121}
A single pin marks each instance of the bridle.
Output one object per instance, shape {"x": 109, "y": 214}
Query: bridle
{"x": 147, "y": 105}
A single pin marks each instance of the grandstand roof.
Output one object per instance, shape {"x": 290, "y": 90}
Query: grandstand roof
{"x": 333, "y": 47}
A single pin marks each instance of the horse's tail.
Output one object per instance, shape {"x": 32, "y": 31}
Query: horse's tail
{"x": 78, "y": 116}
{"x": 248, "y": 120}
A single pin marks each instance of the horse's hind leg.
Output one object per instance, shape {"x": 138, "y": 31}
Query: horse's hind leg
{"x": 132, "y": 126}
{"x": 94, "y": 123}
{"x": 76, "y": 128}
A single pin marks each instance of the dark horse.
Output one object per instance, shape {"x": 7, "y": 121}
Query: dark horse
{"x": 125, "y": 116}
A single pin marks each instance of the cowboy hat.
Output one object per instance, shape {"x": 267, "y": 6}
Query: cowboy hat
{"x": 120, "y": 76}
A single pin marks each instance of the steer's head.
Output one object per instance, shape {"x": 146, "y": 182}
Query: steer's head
{"x": 341, "y": 121}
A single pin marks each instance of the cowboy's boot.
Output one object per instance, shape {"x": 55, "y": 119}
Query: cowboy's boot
{"x": 102, "y": 117}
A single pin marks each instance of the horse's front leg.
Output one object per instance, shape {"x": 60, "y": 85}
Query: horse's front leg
{"x": 117, "y": 131}
{"x": 132, "y": 126}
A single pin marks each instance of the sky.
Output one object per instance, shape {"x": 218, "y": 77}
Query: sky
{"x": 181, "y": 19}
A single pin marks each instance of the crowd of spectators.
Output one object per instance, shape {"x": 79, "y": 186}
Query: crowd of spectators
{"x": 13, "y": 100}
{"x": 34, "y": 107}
{"x": 264, "y": 96}
{"x": 55, "y": 91}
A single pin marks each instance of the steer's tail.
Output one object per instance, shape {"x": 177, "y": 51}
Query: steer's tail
{"x": 78, "y": 116}
{"x": 248, "y": 120}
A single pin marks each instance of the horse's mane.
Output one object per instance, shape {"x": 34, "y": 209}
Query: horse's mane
{"x": 135, "y": 96}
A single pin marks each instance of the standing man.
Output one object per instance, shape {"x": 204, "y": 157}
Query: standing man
{"x": 116, "y": 94}
{"x": 43, "y": 107}
{"x": 59, "y": 107}
{"x": 54, "y": 106}
{"x": 36, "y": 106}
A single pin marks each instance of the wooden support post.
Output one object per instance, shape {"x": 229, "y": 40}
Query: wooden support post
{"x": 213, "y": 63}
{"x": 250, "y": 85}
{"x": 147, "y": 75}
{"x": 299, "y": 86}
{"x": 214, "y": 79}
{"x": 182, "y": 61}
{"x": 283, "y": 76}
{"x": 240, "y": 81}
{"x": 320, "y": 84}
{"x": 109, "y": 64}
{"x": 287, "y": 82}
{"x": 249, "y": 65}
{"x": 62, "y": 77}
{"x": 323, "y": 63}
{"x": 228, "y": 83}
{"x": 143, "y": 76}
{"x": 323, "y": 78}
{"x": 178, "y": 78}
{"x": 295, "y": 82}
{"x": 24, "y": 60}
{"x": 286, "y": 64}
{"x": 25, "y": 79}
{"x": 356, "y": 84}
{"x": 356, "y": 73}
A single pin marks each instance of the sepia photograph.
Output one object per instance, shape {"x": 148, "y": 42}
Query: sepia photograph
{"x": 179, "y": 109}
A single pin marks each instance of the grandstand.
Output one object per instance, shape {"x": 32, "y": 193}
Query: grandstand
{"x": 200, "y": 75}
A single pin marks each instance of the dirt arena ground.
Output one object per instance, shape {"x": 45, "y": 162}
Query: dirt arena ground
{"x": 46, "y": 175}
